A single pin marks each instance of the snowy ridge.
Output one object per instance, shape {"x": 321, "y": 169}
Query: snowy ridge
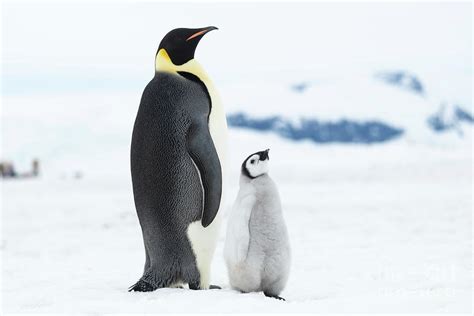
{"x": 450, "y": 117}
{"x": 360, "y": 109}
{"x": 351, "y": 109}
{"x": 342, "y": 131}
{"x": 402, "y": 79}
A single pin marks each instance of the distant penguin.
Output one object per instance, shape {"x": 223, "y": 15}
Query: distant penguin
{"x": 177, "y": 155}
{"x": 257, "y": 247}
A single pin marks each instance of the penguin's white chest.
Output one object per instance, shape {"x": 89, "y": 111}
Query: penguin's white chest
{"x": 204, "y": 242}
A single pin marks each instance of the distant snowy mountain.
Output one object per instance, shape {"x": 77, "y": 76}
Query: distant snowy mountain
{"x": 300, "y": 87}
{"x": 357, "y": 108}
{"x": 347, "y": 108}
{"x": 343, "y": 131}
{"x": 402, "y": 79}
{"x": 450, "y": 117}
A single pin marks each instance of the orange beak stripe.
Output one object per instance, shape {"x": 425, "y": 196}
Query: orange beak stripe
{"x": 196, "y": 34}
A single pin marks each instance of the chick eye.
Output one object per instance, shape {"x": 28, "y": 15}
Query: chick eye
{"x": 252, "y": 161}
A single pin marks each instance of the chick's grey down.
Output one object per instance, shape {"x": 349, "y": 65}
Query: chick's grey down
{"x": 257, "y": 248}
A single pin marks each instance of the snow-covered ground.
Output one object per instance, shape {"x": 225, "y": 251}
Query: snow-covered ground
{"x": 383, "y": 228}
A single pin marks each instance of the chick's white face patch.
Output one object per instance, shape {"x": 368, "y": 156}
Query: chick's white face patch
{"x": 255, "y": 166}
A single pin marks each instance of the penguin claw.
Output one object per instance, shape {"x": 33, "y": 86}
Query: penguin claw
{"x": 274, "y": 296}
{"x": 141, "y": 286}
{"x": 193, "y": 286}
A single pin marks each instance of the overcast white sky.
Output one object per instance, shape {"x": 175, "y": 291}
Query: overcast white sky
{"x": 67, "y": 44}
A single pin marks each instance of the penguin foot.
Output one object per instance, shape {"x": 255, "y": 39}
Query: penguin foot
{"x": 195, "y": 286}
{"x": 141, "y": 286}
{"x": 274, "y": 296}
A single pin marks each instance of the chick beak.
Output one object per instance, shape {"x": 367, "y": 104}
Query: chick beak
{"x": 264, "y": 155}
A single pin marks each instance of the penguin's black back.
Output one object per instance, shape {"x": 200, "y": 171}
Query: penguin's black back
{"x": 166, "y": 185}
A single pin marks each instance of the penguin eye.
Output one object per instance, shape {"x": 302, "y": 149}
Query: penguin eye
{"x": 252, "y": 161}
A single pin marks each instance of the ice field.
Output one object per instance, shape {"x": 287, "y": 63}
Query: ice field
{"x": 380, "y": 228}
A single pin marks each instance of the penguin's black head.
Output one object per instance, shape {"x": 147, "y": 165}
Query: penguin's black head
{"x": 180, "y": 44}
{"x": 256, "y": 164}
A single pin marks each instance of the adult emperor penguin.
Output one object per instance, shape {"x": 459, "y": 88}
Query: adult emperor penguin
{"x": 257, "y": 248}
{"x": 177, "y": 156}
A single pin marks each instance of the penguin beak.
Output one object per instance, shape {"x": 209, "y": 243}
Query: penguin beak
{"x": 264, "y": 155}
{"x": 201, "y": 32}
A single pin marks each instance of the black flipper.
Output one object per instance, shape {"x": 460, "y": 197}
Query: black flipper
{"x": 202, "y": 151}
{"x": 274, "y": 296}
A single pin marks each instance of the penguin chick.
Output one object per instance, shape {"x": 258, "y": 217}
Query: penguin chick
{"x": 257, "y": 247}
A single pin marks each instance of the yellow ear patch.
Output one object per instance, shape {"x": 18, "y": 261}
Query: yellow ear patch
{"x": 164, "y": 54}
{"x": 163, "y": 61}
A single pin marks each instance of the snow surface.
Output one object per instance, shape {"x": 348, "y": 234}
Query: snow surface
{"x": 383, "y": 228}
